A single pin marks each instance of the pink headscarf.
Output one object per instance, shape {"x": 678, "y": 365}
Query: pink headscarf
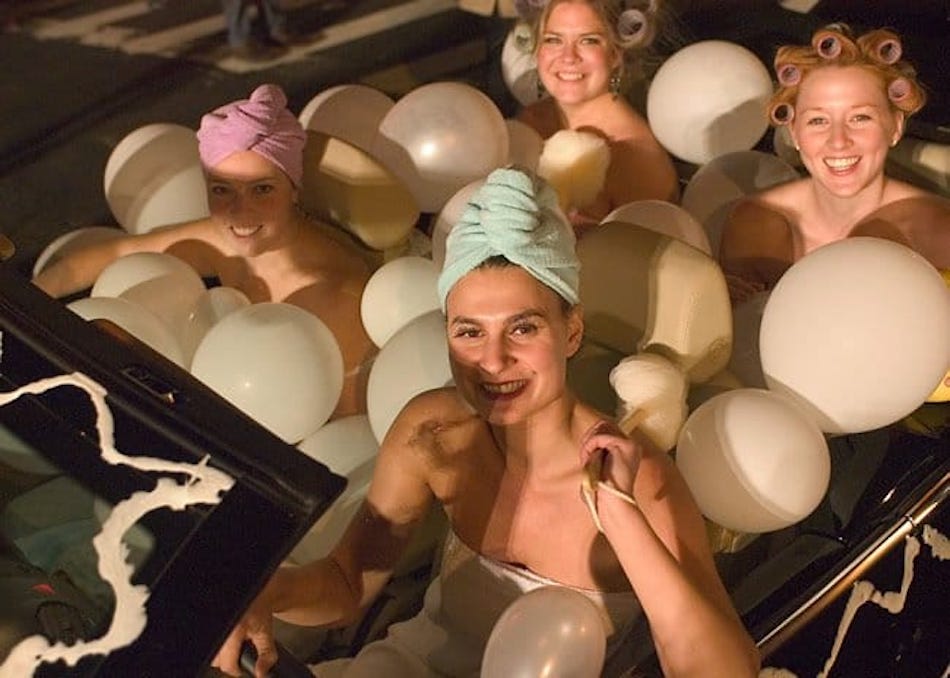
{"x": 261, "y": 124}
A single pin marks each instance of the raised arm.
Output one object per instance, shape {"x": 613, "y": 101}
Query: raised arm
{"x": 335, "y": 589}
{"x": 756, "y": 248}
{"x": 662, "y": 546}
{"x": 79, "y": 269}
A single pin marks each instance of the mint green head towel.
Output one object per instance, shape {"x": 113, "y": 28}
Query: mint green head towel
{"x": 515, "y": 216}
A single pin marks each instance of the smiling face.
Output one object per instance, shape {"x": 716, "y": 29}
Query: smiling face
{"x": 575, "y": 55}
{"x": 509, "y": 339}
{"x": 252, "y": 201}
{"x": 844, "y": 126}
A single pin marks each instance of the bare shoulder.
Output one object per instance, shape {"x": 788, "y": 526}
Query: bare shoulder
{"x": 438, "y": 423}
{"x": 541, "y": 116}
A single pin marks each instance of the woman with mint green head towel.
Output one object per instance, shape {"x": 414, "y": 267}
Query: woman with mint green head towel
{"x": 539, "y": 489}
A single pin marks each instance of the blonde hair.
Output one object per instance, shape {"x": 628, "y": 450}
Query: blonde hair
{"x": 878, "y": 51}
{"x": 631, "y": 25}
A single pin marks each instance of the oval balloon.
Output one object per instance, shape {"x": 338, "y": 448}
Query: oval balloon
{"x": 663, "y": 217}
{"x": 715, "y": 188}
{"x": 447, "y": 218}
{"x": 708, "y": 99}
{"x": 351, "y": 113}
{"x": 439, "y": 137}
{"x": 753, "y": 460}
{"x": 154, "y": 177}
{"x": 524, "y": 145}
{"x": 278, "y": 363}
{"x": 397, "y": 293}
{"x": 552, "y": 631}
{"x": 211, "y": 306}
{"x": 414, "y": 360}
{"x": 856, "y": 332}
{"x": 130, "y": 270}
{"x": 134, "y": 319}
{"x": 73, "y": 240}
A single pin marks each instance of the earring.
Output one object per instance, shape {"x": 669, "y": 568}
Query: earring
{"x": 615, "y": 84}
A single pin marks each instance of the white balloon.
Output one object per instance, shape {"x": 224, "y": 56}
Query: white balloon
{"x": 73, "y": 240}
{"x": 154, "y": 177}
{"x": 130, "y": 270}
{"x": 552, "y": 631}
{"x": 348, "y": 447}
{"x": 708, "y": 99}
{"x": 439, "y": 137}
{"x": 398, "y": 292}
{"x": 715, "y": 188}
{"x": 414, "y": 360}
{"x": 447, "y": 218}
{"x": 856, "y": 332}
{"x": 663, "y": 217}
{"x": 753, "y": 460}
{"x": 351, "y": 113}
{"x": 171, "y": 297}
{"x": 134, "y": 319}
{"x": 276, "y": 362}
{"x": 524, "y": 145}
{"x": 519, "y": 67}
{"x": 211, "y": 306}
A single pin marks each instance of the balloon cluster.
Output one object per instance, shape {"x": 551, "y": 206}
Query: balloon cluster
{"x": 276, "y": 362}
{"x": 434, "y": 140}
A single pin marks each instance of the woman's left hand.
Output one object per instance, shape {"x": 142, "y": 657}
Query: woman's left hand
{"x": 619, "y": 455}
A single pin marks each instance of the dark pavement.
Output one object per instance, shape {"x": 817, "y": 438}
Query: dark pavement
{"x": 80, "y": 75}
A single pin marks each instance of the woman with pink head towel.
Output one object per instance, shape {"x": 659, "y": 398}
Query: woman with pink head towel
{"x": 256, "y": 239}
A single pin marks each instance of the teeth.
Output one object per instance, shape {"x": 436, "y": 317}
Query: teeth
{"x": 503, "y": 389}
{"x": 244, "y": 231}
{"x": 570, "y": 76}
{"x": 841, "y": 163}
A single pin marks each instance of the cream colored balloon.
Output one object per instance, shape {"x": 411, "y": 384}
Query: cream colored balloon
{"x": 73, "y": 240}
{"x": 524, "y": 145}
{"x": 154, "y": 177}
{"x": 414, "y": 360}
{"x": 753, "y": 460}
{"x": 663, "y": 217}
{"x": 715, "y": 188}
{"x": 130, "y": 270}
{"x": 351, "y": 113}
{"x": 134, "y": 319}
{"x": 856, "y": 333}
{"x": 208, "y": 309}
{"x": 398, "y": 292}
{"x": 278, "y": 363}
{"x": 708, "y": 99}
{"x": 447, "y": 218}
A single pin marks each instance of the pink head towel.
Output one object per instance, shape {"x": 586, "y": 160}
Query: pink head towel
{"x": 261, "y": 124}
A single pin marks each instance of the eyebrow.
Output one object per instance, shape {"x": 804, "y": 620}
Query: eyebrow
{"x": 517, "y": 317}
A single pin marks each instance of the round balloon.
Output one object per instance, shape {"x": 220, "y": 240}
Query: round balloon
{"x": 278, "y": 363}
{"x": 171, "y": 297}
{"x": 753, "y": 460}
{"x": 447, "y": 218}
{"x": 348, "y": 447}
{"x": 398, "y": 292}
{"x": 708, "y": 99}
{"x": 439, "y": 137}
{"x": 130, "y": 270}
{"x": 551, "y": 631}
{"x": 154, "y": 177}
{"x": 134, "y": 319}
{"x": 211, "y": 306}
{"x": 415, "y": 359}
{"x": 73, "y": 240}
{"x": 663, "y": 217}
{"x": 715, "y": 188}
{"x": 856, "y": 332}
{"x": 351, "y": 113}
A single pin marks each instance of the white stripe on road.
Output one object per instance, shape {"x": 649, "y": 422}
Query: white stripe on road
{"x": 89, "y": 23}
{"x": 347, "y": 31}
{"x": 177, "y": 39}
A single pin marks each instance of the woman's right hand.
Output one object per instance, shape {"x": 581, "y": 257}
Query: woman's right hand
{"x": 257, "y": 628}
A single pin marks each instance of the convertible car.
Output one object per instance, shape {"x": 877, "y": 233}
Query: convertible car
{"x": 140, "y": 513}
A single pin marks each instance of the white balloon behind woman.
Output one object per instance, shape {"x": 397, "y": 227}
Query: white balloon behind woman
{"x": 439, "y": 137}
{"x": 447, "y": 218}
{"x": 856, "y": 332}
{"x": 414, "y": 360}
{"x": 210, "y": 307}
{"x": 663, "y": 217}
{"x": 398, "y": 292}
{"x": 753, "y": 460}
{"x": 278, "y": 363}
